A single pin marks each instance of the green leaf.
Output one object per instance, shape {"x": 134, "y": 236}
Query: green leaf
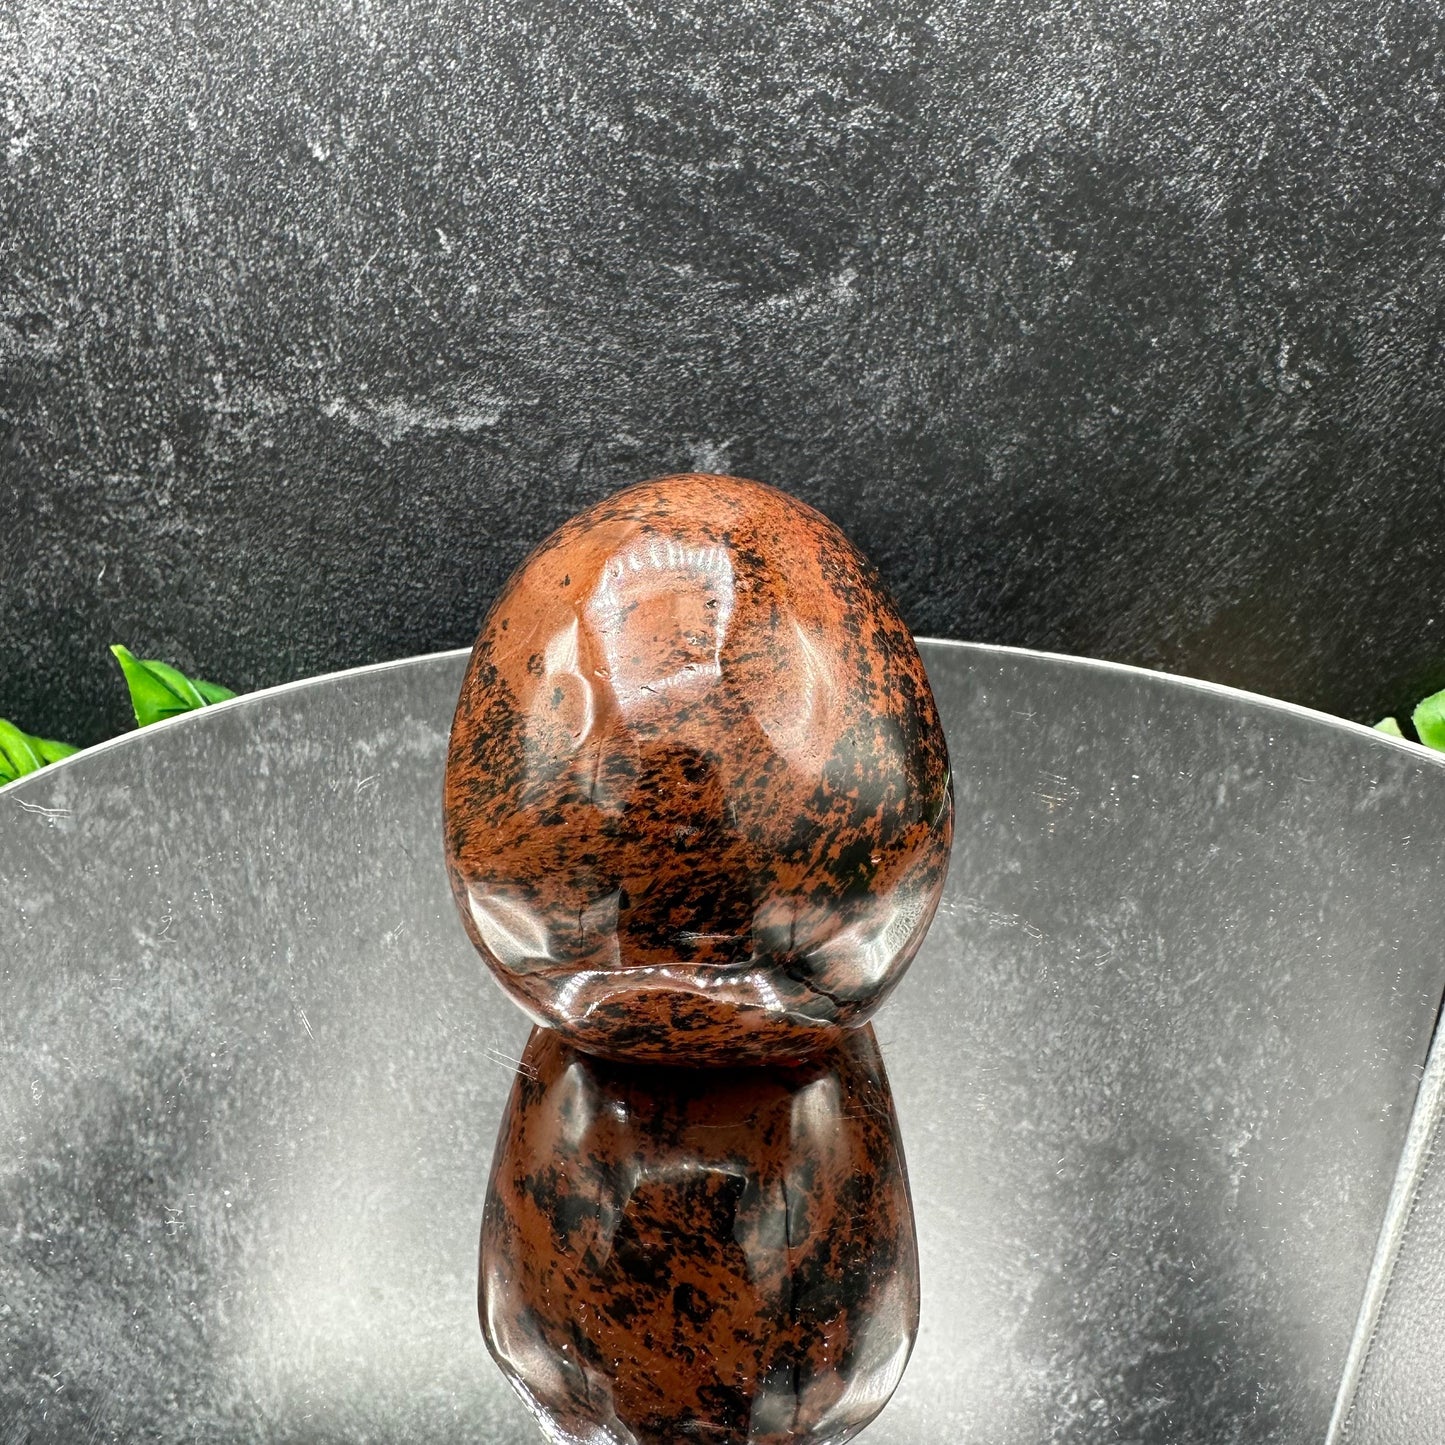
{"x": 158, "y": 690}
{"x": 20, "y": 753}
{"x": 213, "y": 691}
{"x": 1429, "y": 720}
{"x": 1390, "y": 726}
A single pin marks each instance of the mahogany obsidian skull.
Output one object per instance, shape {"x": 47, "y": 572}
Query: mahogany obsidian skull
{"x": 719, "y": 1255}
{"x": 698, "y": 805}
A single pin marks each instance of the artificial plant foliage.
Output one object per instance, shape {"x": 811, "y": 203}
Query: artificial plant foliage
{"x": 22, "y": 753}
{"x": 158, "y": 690}
{"x": 1429, "y": 720}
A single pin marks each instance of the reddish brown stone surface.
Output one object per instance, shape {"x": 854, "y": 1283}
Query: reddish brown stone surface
{"x": 723, "y": 1255}
{"x": 698, "y": 804}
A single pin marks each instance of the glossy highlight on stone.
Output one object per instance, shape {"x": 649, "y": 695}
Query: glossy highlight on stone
{"x": 723, "y": 1255}
{"x": 698, "y": 804}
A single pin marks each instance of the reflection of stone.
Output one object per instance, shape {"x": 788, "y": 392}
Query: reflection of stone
{"x": 724, "y": 1256}
{"x": 697, "y": 798}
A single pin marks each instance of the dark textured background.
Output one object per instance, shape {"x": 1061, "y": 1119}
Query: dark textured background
{"x": 1115, "y": 328}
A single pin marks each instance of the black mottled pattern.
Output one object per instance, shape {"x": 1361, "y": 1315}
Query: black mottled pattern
{"x": 698, "y": 802}
{"x": 725, "y": 1256}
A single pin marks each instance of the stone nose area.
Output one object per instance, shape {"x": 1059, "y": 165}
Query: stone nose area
{"x": 697, "y": 794}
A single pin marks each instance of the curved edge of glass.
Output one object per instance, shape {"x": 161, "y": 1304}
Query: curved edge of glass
{"x": 1165, "y": 679}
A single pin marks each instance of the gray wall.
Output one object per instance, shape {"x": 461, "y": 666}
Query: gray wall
{"x": 1115, "y": 328}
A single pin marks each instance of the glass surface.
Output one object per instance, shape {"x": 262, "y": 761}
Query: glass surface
{"x": 1153, "y": 1068}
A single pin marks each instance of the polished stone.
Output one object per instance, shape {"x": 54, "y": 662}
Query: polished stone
{"x": 697, "y": 796}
